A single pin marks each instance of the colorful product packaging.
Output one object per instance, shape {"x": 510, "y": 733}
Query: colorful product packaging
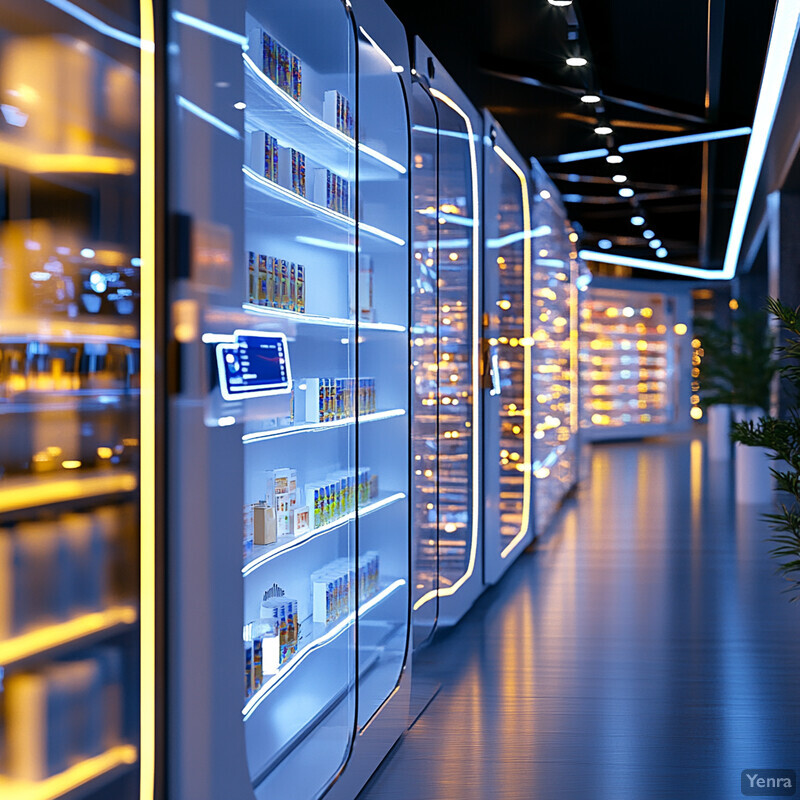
{"x": 297, "y": 78}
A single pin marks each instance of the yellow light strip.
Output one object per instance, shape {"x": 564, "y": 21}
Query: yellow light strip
{"x": 16, "y": 495}
{"x": 476, "y": 333}
{"x": 527, "y": 347}
{"x": 574, "y": 344}
{"x": 41, "y": 640}
{"x": 71, "y": 779}
{"x": 27, "y": 160}
{"x": 147, "y": 409}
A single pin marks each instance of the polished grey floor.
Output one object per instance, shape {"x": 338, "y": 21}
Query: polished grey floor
{"x": 645, "y": 650}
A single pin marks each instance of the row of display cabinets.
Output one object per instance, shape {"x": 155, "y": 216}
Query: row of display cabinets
{"x": 249, "y": 471}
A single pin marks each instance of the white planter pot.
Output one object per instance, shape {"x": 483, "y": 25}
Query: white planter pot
{"x": 754, "y": 481}
{"x": 718, "y": 432}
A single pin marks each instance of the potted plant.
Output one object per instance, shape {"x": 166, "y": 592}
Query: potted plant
{"x": 738, "y": 367}
{"x": 781, "y": 439}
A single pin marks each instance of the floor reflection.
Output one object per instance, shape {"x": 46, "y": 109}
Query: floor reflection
{"x": 645, "y": 650}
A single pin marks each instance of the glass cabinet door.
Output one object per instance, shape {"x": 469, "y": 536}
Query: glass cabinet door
{"x": 74, "y": 336}
{"x": 507, "y": 346}
{"x": 554, "y": 359}
{"x": 382, "y": 308}
{"x": 457, "y": 216}
{"x": 425, "y": 364}
{"x": 302, "y": 486}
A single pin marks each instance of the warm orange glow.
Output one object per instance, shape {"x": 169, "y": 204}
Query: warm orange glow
{"x": 646, "y": 312}
{"x": 696, "y": 412}
{"x": 680, "y": 329}
{"x": 734, "y": 304}
{"x": 26, "y": 160}
{"x": 696, "y": 343}
{"x": 40, "y": 640}
{"x": 71, "y": 779}
{"x": 21, "y": 493}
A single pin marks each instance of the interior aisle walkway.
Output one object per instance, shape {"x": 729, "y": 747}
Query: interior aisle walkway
{"x": 645, "y": 651}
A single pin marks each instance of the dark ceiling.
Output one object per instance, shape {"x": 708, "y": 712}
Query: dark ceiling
{"x": 662, "y": 68}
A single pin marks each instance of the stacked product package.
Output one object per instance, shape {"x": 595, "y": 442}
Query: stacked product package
{"x": 276, "y": 283}
{"x": 331, "y": 191}
{"x": 331, "y": 586}
{"x": 52, "y": 570}
{"x": 331, "y": 399}
{"x": 285, "y": 511}
{"x": 336, "y": 112}
{"x": 282, "y": 165}
{"x": 271, "y": 640}
{"x": 277, "y": 62}
{"x": 63, "y": 713}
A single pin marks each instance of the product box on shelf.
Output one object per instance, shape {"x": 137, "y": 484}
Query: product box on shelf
{"x": 262, "y": 652}
{"x": 53, "y": 570}
{"x": 331, "y": 191}
{"x": 292, "y": 169}
{"x": 263, "y": 155}
{"x": 62, "y": 714}
{"x": 282, "y": 611}
{"x": 361, "y": 301}
{"x": 336, "y": 112}
{"x": 276, "y": 283}
{"x": 265, "y": 526}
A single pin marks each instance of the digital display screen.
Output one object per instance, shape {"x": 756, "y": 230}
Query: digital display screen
{"x": 254, "y": 365}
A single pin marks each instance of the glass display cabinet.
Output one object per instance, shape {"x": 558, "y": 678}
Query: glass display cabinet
{"x": 635, "y": 356}
{"x": 555, "y": 357}
{"x": 77, "y": 433}
{"x": 455, "y": 555}
{"x": 295, "y": 387}
{"x": 508, "y": 346}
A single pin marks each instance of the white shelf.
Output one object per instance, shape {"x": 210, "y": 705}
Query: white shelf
{"x": 316, "y": 319}
{"x": 271, "y": 200}
{"x": 319, "y": 636}
{"x": 315, "y": 427}
{"x": 271, "y": 109}
{"x": 262, "y": 554}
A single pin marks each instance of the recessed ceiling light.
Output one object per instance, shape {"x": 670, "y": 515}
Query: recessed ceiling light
{"x": 604, "y": 244}
{"x": 240, "y": 105}
{"x": 626, "y": 191}
{"x": 637, "y": 220}
{"x": 655, "y": 243}
{"x": 614, "y": 159}
{"x": 560, "y": 2}
{"x": 577, "y": 61}
{"x": 661, "y": 252}
{"x": 648, "y": 234}
{"x": 590, "y": 98}
{"x": 544, "y": 194}
{"x": 619, "y": 178}
{"x": 603, "y": 130}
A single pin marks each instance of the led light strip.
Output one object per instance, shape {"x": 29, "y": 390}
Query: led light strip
{"x": 528, "y": 334}
{"x": 280, "y": 676}
{"x": 476, "y": 333}
{"x": 363, "y": 511}
{"x": 574, "y": 343}
{"x": 299, "y": 200}
{"x": 314, "y": 427}
{"x": 779, "y": 53}
{"x": 147, "y": 408}
{"x": 206, "y": 116}
{"x": 97, "y": 24}
{"x": 209, "y": 28}
{"x": 316, "y": 319}
{"x": 394, "y": 67}
{"x": 342, "y": 138}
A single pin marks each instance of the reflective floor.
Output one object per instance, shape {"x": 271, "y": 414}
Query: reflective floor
{"x": 646, "y": 650}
